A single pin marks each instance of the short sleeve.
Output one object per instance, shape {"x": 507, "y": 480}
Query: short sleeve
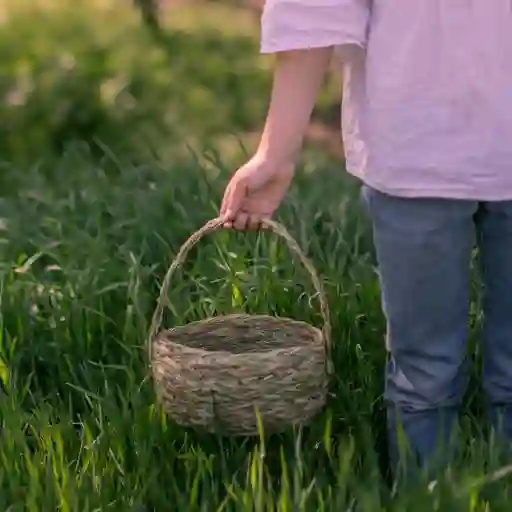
{"x": 302, "y": 24}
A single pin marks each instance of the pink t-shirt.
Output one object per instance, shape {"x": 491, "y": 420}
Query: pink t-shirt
{"x": 427, "y": 100}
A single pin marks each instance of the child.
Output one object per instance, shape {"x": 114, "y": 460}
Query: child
{"x": 427, "y": 128}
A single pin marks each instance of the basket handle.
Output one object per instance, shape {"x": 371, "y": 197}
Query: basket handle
{"x": 213, "y": 226}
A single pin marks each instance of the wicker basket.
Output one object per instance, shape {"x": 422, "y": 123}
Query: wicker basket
{"x": 218, "y": 373}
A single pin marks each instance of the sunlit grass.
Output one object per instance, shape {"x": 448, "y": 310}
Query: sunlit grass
{"x": 82, "y": 250}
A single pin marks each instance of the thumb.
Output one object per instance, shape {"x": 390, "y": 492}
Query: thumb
{"x": 235, "y": 194}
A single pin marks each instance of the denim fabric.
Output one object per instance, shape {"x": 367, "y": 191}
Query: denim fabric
{"x": 424, "y": 250}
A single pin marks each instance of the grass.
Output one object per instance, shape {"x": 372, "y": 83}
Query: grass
{"x": 92, "y": 71}
{"x": 83, "y": 246}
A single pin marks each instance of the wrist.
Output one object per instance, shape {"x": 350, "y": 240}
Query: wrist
{"x": 277, "y": 161}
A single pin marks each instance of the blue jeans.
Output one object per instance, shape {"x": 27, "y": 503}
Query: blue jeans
{"x": 424, "y": 249}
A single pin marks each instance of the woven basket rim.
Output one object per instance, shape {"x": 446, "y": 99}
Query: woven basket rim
{"x": 317, "y": 335}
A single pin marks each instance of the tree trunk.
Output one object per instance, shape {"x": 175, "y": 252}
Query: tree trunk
{"x": 149, "y": 11}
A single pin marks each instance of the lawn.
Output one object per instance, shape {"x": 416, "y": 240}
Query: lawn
{"x": 88, "y": 227}
{"x": 83, "y": 248}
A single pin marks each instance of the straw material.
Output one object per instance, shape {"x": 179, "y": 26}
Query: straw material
{"x": 219, "y": 374}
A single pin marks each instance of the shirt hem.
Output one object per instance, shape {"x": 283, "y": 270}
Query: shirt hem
{"x": 267, "y": 48}
{"x": 446, "y": 192}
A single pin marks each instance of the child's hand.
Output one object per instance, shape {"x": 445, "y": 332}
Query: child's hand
{"x": 255, "y": 191}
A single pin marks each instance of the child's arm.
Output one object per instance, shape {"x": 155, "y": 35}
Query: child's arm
{"x": 303, "y": 34}
{"x": 298, "y": 76}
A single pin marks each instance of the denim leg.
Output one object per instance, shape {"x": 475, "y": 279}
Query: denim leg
{"x": 494, "y": 228}
{"x": 423, "y": 250}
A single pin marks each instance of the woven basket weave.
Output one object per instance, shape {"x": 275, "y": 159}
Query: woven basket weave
{"x": 219, "y": 374}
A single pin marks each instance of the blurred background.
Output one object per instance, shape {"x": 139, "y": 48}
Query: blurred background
{"x": 140, "y": 77}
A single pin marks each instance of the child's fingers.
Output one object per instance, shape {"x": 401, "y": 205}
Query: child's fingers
{"x": 233, "y": 199}
{"x": 225, "y": 199}
{"x": 241, "y": 221}
{"x": 254, "y": 222}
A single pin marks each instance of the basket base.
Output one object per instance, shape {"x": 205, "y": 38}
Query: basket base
{"x": 253, "y": 424}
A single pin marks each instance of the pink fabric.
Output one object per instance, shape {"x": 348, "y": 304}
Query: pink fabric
{"x": 427, "y": 108}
